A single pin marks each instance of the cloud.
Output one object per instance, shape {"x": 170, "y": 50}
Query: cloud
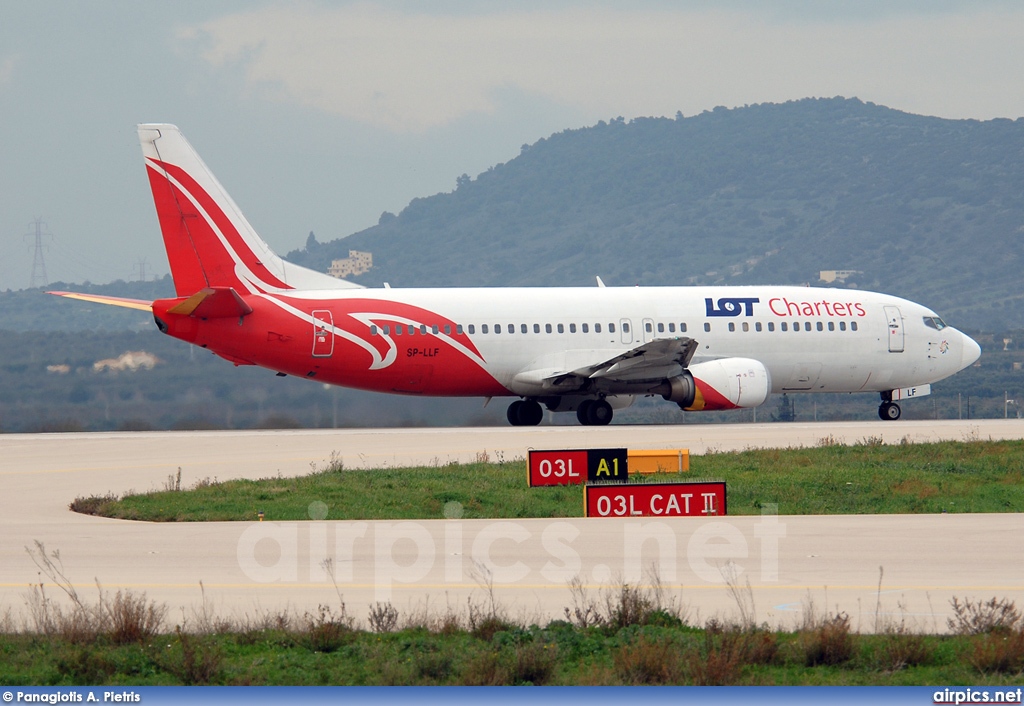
{"x": 7, "y": 68}
{"x": 409, "y": 72}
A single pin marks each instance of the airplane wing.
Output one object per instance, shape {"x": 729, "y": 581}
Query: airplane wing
{"x": 139, "y": 304}
{"x": 644, "y": 362}
{"x": 655, "y": 360}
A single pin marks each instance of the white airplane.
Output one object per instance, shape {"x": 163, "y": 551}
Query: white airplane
{"x": 588, "y": 350}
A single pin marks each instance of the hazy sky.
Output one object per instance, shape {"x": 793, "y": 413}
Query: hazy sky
{"x": 321, "y": 115}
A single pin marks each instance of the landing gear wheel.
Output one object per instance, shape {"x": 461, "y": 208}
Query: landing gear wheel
{"x": 524, "y": 413}
{"x": 889, "y": 411}
{"x": 513, "y": 413}
{"x": 599, "y": 413}
{"x": 530, "y": 413}
{"x": 583, "y": 412}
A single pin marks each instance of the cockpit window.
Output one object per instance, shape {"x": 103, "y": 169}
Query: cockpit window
{"x": 934, "y": 322}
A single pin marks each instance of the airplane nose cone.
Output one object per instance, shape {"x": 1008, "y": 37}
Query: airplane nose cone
{"x": 970, "y": 352}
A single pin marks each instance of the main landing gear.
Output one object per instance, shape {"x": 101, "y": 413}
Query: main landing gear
{"x": 594, "y": 413}
{"x": 529, "y": 413}
{"x": 525, "y": 413}
{"x": 888, "y": 410}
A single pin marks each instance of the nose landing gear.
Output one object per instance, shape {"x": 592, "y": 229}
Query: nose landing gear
{"x": 888, "y": 410}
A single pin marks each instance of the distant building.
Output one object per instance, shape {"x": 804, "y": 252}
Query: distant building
{"x": 129, "y": 360}
{"x": 355, "y": 264}
{"x": 830, "y": 276}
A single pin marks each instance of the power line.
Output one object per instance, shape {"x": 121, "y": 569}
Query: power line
{"x": 39, "y": 278}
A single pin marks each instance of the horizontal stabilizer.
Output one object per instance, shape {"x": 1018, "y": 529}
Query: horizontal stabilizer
{"x": 140, "y": 304}
{"x": 213, "y": 303}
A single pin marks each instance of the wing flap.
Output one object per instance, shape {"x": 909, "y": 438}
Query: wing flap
{"x": 652, "y": 361}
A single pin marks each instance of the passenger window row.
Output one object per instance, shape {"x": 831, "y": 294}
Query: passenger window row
{"x": 411, "y": 329}
{"x": 423, "y": 329}
{"x": 786, "y": 326}
{"x": 538, "y": 328}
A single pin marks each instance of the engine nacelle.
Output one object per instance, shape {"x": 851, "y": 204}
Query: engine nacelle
{"x": 729, "y": 383}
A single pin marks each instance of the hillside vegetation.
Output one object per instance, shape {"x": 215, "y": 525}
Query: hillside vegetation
{"x": 35, "y": 310}
{"x": 927, "y": 208}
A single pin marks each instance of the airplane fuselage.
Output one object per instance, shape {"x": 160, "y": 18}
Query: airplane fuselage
{"x": 479, "y": 341}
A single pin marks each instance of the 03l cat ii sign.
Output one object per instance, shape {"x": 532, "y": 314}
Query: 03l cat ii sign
{"x": 569, "y": 467}
{"x": 706, "y": 499}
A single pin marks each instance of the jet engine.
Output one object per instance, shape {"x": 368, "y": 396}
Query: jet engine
{"x": 729, "y": 383}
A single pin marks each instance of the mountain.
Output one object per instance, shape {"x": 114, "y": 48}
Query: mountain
{"x": 926, "y": 208}
{"x": 923, "y": 207}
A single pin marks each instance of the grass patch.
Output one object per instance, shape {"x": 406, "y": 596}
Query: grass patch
{"x": 286, "y": 649}
{"x": 629, "y": 634}
{"x": 868, "y": 478}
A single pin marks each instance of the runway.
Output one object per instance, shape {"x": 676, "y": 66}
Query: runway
{"x": 440, "y": 563}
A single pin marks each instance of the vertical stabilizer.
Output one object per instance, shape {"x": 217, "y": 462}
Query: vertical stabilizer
{"x": 209, "y": 242}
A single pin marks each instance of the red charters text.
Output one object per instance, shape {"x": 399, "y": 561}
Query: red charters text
{"x": 781, "y": 306}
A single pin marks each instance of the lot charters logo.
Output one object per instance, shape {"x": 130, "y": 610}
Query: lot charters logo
{"x": 731, "y": 306}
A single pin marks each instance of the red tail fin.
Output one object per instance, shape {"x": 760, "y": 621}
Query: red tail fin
{"x": 209, "y": 242}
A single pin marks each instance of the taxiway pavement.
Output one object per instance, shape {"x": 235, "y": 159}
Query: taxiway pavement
{"x": 437, "y": 564}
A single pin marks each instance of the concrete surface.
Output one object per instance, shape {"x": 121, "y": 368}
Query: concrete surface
{"x": 248, "y": 569}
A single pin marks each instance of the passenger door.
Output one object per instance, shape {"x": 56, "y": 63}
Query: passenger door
{"x": 323, "y": 334}
{"x": 895, "y": 324}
